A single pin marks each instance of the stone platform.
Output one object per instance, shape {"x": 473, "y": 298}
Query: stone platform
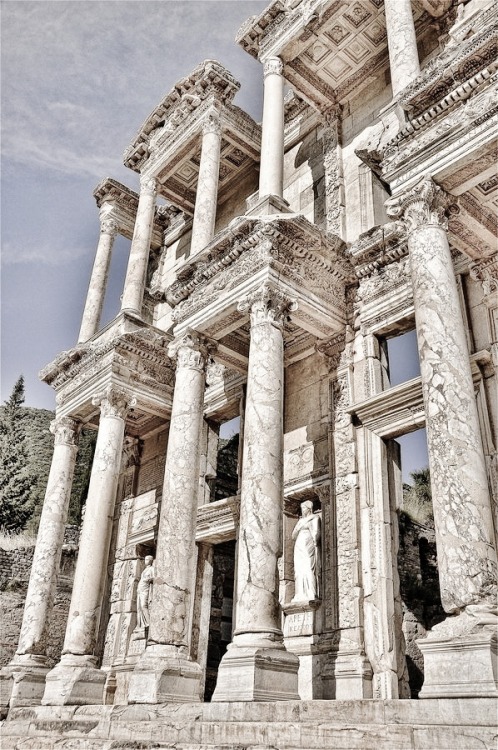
{"x": 433, "y": 724}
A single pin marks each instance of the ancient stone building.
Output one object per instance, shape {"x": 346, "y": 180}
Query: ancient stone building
{"x": 270, "y": 265}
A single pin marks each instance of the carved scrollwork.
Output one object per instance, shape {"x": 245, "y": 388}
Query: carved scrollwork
{"x": 212, "y": 124}
{"x": 267, "y": 305}
{"x": 65, "y": 431}
{"x": 114, "y": 402}
{"x": 273, "y": 65}
{"x": 147, "y": 185}
{"x": 190, "y": 350}
{"x": 426, "y": 203}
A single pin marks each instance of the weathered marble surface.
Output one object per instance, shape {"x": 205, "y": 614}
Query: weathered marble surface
{"x": 140, "y": 246}
{"x": 256, "y": 666}
{"x": 207, "y": 186}
{"x": 271, "y": 173}
{"x": 98, "y": 280}
{"x": 460, "y": 494}
{"x": 402, "y": 44}
{"x": 66, "y": 683}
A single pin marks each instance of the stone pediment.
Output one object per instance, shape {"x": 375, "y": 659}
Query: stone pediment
{"x": 331, "y": 48}
{"x": 127, "y": 355}
{"x": 122, "y": 203}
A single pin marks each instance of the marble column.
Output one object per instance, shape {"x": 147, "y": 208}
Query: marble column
{"x": 76, "y": 680}
{"x": 28, "y": 668}
{"x": 98, "y": 281}
{"x": 206, "y": 198}
{"x": 272, "y": 136}
{"x": 467, "y": 558}
{"x": 166, "y": 671}
{"x": 402, "y": 44}
{"x": 140, "y": 247}
{"x": 256, "y": 665}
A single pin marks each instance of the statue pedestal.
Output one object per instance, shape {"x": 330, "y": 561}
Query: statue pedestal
{"x": 301, "y": 622}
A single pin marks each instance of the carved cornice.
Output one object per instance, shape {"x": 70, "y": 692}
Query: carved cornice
{"x": 377, "y": 248}
{"x": 142, "y": 351}
{"x": 209, "y": 79}
{"x": 454, "y": 67}
{"x": 425, "y": 203}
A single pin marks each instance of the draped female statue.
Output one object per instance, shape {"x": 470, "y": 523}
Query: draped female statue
{"x": 307, "y": 554}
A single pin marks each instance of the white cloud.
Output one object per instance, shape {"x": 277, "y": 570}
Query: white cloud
{"x": 45, "y": 254}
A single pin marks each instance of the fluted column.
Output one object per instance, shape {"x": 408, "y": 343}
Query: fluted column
{"x": 272, "y": 136}
{"x": 165, "y": 671}
{"x": 256, "y": 666}
{"x": 29, "y": 665}
{"x": 75, "y": 680}
{"x": 402, "y": 44}
{"x": 467, "y": 559}
{"x": 206, "y": 198}
{"x": 98, "y": 281}
{"x": 140, "y": 246}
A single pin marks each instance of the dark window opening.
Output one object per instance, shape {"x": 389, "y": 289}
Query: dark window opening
{"x": 220, "y": 624}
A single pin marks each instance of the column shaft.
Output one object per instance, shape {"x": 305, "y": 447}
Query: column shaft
{"x": 207, "y": 187}
{"x": 271, "y": 173}
{"x": 402, "y": 44}
{"x": 46, "y": 560}
{"x": 140, "y": 246}
{"x": 171, "y": 604}
{"x": 98, "y": 281}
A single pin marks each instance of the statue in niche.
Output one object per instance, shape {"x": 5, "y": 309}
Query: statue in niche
{"x": 307, "y": 555}
{"x": 144, "y": 592}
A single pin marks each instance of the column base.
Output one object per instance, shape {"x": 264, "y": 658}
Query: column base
{"x": 257, "y": 674}
{"x": 464, "y": 666}
{"x": 75, "y": 681}
{"x": 22, "y": 682}
{"x": 164, "y": 675}
{"x": 266, "y": 205}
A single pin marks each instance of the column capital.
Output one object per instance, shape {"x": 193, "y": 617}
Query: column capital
{"x": 148, "y": 185}
{"x": 108, "y": 225}
{"x": 485, "y": 270}
{"x": 114, "y": 402}
{"x": 65, "y": 430}
{"x": 212, "y": 124}
{"x": 425, "y": 203}
{"x": 273, "y": 65}
{"x": 190, "y": 350}
{"x": 267, "y": 304}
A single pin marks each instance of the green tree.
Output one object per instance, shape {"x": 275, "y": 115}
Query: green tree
{"x": 417, "y": 497}
{"x": 16, "y": 477}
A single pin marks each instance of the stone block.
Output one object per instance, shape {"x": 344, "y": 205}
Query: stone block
{"x": 257, "y": 674}
{"x": 74, "y": 683}
{"x": 161, "y": 676}
{"x": 461, "y": 666}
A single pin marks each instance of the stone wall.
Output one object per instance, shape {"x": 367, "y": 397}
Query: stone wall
{"x": 15, "y": 568}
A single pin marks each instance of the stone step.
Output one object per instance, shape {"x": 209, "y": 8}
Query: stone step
{"x": 437, "y": 724}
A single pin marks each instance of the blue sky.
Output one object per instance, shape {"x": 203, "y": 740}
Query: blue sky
{"x": 78, "y": 79}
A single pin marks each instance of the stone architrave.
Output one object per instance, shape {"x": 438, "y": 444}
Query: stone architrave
{"x": 165, "y": 672}
{"x": 29, "y": 667}
{"x": 98, "y": 281}
{"x": 207, "y": 186}
{"x": 76, "y": 680}
{"x": 256, "y": 666}
{"x": 140, "y": 247}
{"x": 272, "y": 136}
{"x": 463, "y": 521}
{"x": 402, "y": 44}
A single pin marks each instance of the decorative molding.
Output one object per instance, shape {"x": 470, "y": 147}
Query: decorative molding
{"x": 190, "y": 351}
{"x": 148, "y": 185}
{"x": 486, "y": 272}
{"x": 273, "y": 66}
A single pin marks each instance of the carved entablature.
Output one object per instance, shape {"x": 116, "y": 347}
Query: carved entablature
{"x": 331, "y": 49}
{"x": 287, "y": 252}
{"x": 121, "y": 202}
{"x": 209, "y": 79}
{"x": 218, "y": 522}
{"x": 135, "y": 360}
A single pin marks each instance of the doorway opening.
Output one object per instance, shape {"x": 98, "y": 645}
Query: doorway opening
{"x": 220, "y": 623}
